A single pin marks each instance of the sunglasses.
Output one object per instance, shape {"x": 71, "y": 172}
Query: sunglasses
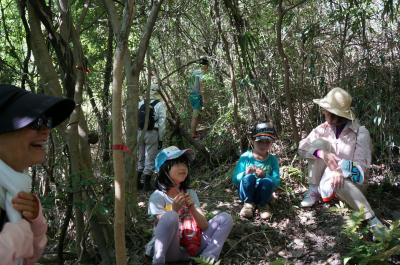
{"x": 41, "y": 123}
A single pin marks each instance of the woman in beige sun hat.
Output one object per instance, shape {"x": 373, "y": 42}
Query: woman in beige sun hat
{"x": 338, "y": 102}
{"x": 339, "y": 154}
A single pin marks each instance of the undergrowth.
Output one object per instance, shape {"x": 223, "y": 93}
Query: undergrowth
{"x": 363, "y": 250}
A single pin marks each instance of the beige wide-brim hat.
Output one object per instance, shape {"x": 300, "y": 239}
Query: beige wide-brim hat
{"x": 338, "y": 102}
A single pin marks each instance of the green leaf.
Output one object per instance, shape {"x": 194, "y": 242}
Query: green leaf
{"x": 280, "y": 261}
{"x": 346, "y": 259}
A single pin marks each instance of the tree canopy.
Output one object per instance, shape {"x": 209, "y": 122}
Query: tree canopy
{"x": 268, "y": 60}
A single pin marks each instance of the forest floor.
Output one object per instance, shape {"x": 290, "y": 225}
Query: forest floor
{"x": 292, "y": 235}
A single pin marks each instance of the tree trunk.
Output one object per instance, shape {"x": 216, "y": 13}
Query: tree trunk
{"x": 238, "y": 23}
{"x": 121, "y": 35}
{"x": 231, "y": 72}
{"x": 286, "y": 72}
{"x": 343, "y": 47}
{"x": 119, "y": 182}
{"x": 132, "y": 103}
{"x": 48, "y": 79}
{"x": 105, "y": 135}
{"x": 78, "y": 146}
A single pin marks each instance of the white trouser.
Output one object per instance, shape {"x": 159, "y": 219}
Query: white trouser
{"x": 147, "y": 151}
{"x": 321, "y": 176}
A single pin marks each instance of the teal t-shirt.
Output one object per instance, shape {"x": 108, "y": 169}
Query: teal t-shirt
{"x": 194, "y": 81}
{"x": 270, "y": 165}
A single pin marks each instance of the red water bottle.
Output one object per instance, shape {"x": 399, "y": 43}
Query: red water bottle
{"x": 190, "y": 233}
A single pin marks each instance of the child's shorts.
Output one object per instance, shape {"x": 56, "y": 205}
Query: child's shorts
{"x": 196, "y": 100}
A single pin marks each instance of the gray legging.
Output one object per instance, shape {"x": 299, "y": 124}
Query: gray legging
{"x": 166, "y": 233}
{"x": 147, "y": 151}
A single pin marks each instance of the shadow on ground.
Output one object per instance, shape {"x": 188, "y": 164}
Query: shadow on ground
{"x": 292, "y": 235}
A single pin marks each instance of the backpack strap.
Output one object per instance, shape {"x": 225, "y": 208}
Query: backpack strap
{"x": 154, "y": 103}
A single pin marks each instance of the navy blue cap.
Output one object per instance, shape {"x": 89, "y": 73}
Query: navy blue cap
{"x": 19, "y": 108}
{"x": 264, "y": 131}
{"x": 204, "y": 61}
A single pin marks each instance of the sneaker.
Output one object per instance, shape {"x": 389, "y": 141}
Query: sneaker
{"x": 310, "y": 198}
{"x": 247, "y": 210}
{"x": 265, "y": 212}
{"x": 377, "y": 228}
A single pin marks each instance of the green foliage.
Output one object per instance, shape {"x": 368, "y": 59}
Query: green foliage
{"x": 291, "y": 172}
{"x": 221, "y": 146}
{"x": 364, "y": 251}
{"x": 289, "y": 177}
{"x": 205, "y": 261}
{"x": 390, "y": 9}
{"x": 279, "y": 261}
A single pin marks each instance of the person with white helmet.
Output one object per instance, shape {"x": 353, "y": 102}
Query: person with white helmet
{"x": 339, "y": 155}
{"x": 152, "y": 138}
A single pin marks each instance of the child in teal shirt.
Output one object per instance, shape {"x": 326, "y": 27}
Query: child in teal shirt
{"x": 257, "y": 172}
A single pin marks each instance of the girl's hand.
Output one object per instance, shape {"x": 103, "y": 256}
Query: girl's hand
{"x": 250, "y": 169}
{"x": 330, "y": 159}
{"x": 27, "y": 204}
{"x": 260, "y": 173}
{"x": 178, "y": 202}
{"x": 188, "y": 201}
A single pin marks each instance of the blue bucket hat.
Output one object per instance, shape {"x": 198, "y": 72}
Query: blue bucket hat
{"x": 19, "y": 108}
{"x": 264, "y": 131}
{"x": 170, "y": 153}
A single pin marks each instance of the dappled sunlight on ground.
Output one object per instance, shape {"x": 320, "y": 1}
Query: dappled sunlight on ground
{"x": 293, "y": 234}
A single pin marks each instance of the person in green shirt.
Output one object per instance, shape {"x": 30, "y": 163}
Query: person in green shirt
{"x": 196, "y": 94}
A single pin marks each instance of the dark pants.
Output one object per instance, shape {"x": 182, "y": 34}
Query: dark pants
{"x": 252, "y": 192}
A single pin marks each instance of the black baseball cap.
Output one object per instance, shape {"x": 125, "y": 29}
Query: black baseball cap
{"x": 204, "y": 61}
{"x": 19, "y": 108}
{"x": 264, "y": 131}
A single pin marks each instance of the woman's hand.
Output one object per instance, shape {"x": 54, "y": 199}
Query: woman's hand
{"x": 27, "y": 204}
{"x": 179, "y": 201}
{"x": 337, "y": 180}
{"x": 330, "y": 159}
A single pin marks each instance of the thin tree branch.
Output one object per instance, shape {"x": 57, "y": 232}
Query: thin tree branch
{"x": 293, "y": 6}
{"x": 178, "y": 69}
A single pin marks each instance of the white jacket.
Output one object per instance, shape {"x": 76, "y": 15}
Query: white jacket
{"x": 160, "y": 116}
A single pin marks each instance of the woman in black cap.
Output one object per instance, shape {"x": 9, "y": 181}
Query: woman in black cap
{"x": 25, "y": 122}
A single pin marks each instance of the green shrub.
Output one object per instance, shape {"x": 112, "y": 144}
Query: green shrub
{"x": 386, "y": 243}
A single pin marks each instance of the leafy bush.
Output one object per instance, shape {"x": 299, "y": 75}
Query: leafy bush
{"x": 205, "y": 261}
{"x": 386, "y": 243}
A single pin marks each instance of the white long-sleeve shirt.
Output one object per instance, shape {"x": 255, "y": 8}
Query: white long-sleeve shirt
{"x": 353, "y": 143}
{"x": 160, "y": 116}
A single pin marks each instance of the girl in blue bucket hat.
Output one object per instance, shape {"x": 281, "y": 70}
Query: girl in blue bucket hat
{"x": 256, "y": 174}
{"x": 181, "y": 230}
